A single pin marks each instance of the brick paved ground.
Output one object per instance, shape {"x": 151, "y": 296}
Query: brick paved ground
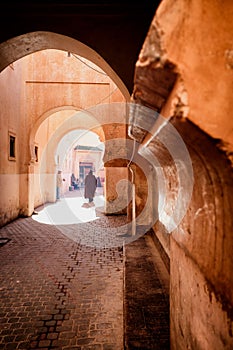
{"x": 57, "y": 294}
{"x": 60, "y": 291}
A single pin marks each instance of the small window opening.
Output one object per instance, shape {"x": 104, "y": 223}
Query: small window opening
{"x": 12, "y": 154}
{"x": 36, "y": 154}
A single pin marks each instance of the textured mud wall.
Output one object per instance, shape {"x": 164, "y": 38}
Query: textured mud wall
{"x": 184, "y": 71}
{"x": 197, "y": 38}
{"x": 201, "y": 251}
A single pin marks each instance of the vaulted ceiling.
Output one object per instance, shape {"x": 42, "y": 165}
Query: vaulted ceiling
{"x": 114, "y": 29}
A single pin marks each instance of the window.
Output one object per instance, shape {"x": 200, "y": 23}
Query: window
{"x": 36, "y": 154}
{"x": 12, "y": 148}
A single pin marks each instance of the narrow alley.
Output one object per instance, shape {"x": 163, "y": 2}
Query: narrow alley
{"x": 116, "y": 175}
{"x": 58, "y": 293}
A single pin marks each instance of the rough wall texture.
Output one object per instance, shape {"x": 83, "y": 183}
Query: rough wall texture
{"x": 197, "y": 38}
{"x": 201, "y": 251}
{"x": 197, "y": 319}
{"x": 189, "y": 44}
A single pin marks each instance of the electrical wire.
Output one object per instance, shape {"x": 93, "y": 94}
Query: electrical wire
{"x": 96, "y": 70}
{"x": 105, "y": 98}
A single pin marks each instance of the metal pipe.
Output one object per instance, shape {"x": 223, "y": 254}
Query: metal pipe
{"x": 133, "y": 191}
{"x": 133, "y": 202}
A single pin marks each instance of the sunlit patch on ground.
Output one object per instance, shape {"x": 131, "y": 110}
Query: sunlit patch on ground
{"x": 87, "y": 225}
{"x": 69, "y": 210}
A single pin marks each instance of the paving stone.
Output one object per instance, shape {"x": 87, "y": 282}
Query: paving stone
{"x": 49, "y": 278}
{"x": 59, "y": 293}
{"x": 44, "y": 343}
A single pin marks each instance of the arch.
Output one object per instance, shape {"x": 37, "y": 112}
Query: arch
{"x": 47, "y": 170}
{"x": 72, "y": 124}
{"x": 97, "y": 119}
{"x": 23, "y": 45}
{"x": 39, "y": 122}
{"x": 75, "y": 138}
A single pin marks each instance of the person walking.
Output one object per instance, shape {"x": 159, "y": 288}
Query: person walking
{"x": 59, "y": 184}
{"x": 90, "y": 187}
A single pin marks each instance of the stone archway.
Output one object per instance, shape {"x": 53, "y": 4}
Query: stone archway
{"x": 100, "y": 120}
{"x": 23, "y": 45}
{"x": 48, "y": 167}
{"x": 11, "y": 52}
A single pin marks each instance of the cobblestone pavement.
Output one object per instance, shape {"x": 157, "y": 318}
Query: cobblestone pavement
{"x": 59, "y": 290}
{"x": 56, "y": 293}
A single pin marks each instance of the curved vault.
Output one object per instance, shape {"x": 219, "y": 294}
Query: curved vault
{"x": 23, "y": 45}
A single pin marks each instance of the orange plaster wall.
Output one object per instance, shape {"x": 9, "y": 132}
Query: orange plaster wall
{"x": 45, "y": 89}
{"x": 197, "y": 36}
